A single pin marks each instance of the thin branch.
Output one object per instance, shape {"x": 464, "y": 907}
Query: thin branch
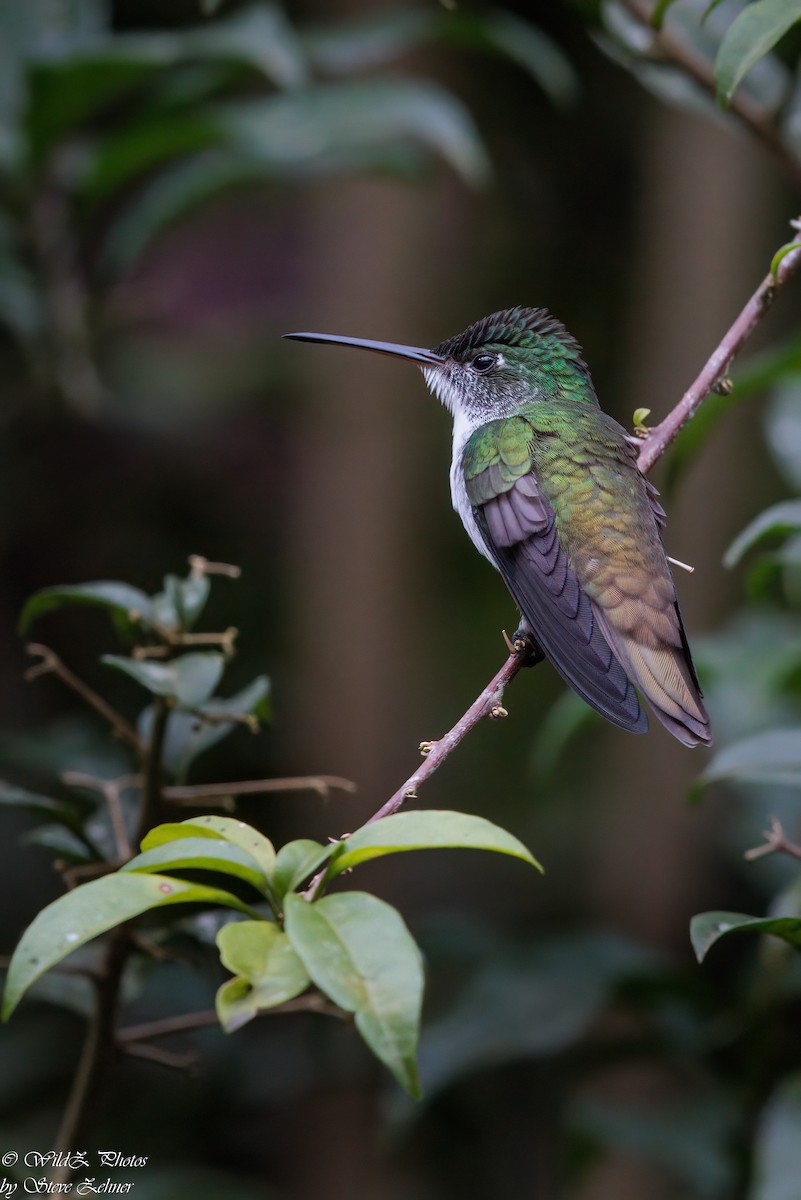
{"x": 488, "y": 704}
{"x": 111, "y": 790}
{"x": 186, "y": 1022}
{"x": 674, "y": 49}
{"x": 165, "y": 1058}
{"x": 775, "y": 843}
{"x": 51, "y": 664}
{"x": 95, "y": 1055}
{"x": 717, "y": 366}
{"x": 152, "y": 769}
{"x": 198, "y": 792}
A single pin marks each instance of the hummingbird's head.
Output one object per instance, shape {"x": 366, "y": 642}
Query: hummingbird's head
{"x": 507, "y": 359}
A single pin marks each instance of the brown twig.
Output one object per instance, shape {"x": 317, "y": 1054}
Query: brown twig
{"x": 186, "y": 1022}
{"x": 717, "y": 366}
{"x": 697, "y": 67}
{"x": 111, "y": 790}
{"x": 152, "y": 769}
{"x": 95, "y": 1055}
{"x": 775, "y": 843}
{"x": 199, "y": 792}
{"x": 51, "y": 664}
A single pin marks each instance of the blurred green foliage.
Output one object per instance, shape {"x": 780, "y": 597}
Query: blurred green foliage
{"x": 119, "y": 124}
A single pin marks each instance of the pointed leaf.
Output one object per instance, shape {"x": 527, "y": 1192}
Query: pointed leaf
{"x": 128, "y": 602}
{"x": 268, "y": 971}
{"x": 295, "y": 862}
{"x": 90, "y": 910}
{"x": 778, "y": 519}
{"x": 188, "y": 735}
{"x": 57, "y": 810}
{"x": 189, "y": 680}
{"x": 425, "y": 830}
{"x": 751, "y": 36}
{"x": 201, "y": 854}
{"x": 773, "y": 756}
{"x": 709, "y": 927}
{"x": 229, "y": 829}
{"x": 658, "y": 15}
{"x": 777, "y": 1153}
{"x": 358, "y": 951}
{"x": 62, "y": 842}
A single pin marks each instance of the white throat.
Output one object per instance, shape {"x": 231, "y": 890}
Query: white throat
{"x": 464, "y": 425}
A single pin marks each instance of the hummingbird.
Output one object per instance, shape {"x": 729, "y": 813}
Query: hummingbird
{"x": 548, "y": 489}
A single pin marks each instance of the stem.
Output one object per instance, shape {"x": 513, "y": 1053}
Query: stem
{"x": 322, "y": 784}
{"x": 51, "y": 664}
{"x": 152, "y": 781}
{"x": 488, "y": 704}
{"x": 776, "y": 842}
{"x": 96, "y": 1054}
{"x": 717, "y": 365}
{"x": 185, "y": 1022}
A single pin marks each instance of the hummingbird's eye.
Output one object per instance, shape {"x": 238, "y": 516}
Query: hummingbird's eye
{"x": 484, "y": 362}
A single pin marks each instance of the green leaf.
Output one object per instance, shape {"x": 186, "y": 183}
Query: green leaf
{"x": 62, "y": 843}
{"x": 658, "y": 15}
{"x": 773, "y": 756}
{"x": 120, "y": 598}
{"x": 781, "y": 518}
{"x": 709, "y": 927}
{"x": 339, "y": 124}
{"x": 57, "y": 810}
{"x": 783, "y": 427}
{"x": 295, "y": 862}
{"x": 751, "y": 36}
{"x": 188, "y": 680}
{"x": 201, "y": 854}
{"x": 358, "y": 951}
{"x": 229, "y": 829}
{"x": 259, "y": 35}
{"x": 777, "y": 1155}
{"x": 425, "y": 830}
{"x": 350, "y": 47}
{"x": 781, "y": 254}
{"x": 91, "y": 909}
{"x": 268, "y": 971}
{"x": 188, "y": 735}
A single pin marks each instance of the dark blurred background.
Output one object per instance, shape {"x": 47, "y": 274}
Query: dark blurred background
{"x": 181, "y": 186}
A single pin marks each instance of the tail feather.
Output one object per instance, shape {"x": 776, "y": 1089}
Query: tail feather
{"x": 666, "y": 677}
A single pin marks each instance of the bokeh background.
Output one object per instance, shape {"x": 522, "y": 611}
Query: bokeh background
{"x": 181, "y": 185}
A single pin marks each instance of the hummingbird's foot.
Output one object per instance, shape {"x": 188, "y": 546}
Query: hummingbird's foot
{"x": 498, "y": 712}
{"x": 426, "y": 748}
{"x": 525, "y": 646}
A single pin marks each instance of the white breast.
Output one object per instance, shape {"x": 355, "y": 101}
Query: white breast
{"x": 461, "y": 432}
{"x": 440, "y": 384}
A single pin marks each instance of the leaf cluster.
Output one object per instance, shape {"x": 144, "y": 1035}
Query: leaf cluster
{"x": 350, "y": 948}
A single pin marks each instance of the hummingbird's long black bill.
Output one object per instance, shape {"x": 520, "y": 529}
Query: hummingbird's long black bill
{"x": 414, "y": 353}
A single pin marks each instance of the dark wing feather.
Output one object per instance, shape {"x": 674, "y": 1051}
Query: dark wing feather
{"x": 519, "y": 529}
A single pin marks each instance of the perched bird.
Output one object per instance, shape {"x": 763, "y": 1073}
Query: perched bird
{"x": 548, "y": 489}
